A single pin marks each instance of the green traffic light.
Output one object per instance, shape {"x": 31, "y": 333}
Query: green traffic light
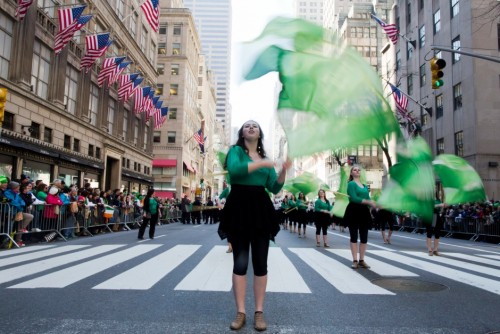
{"x": 439, "y": 83}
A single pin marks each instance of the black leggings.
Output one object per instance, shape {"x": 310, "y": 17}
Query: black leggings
{"x": 434, "y": 230}
{"x": 322, "y": 223}
{"x": 241, "y": 252}
{"x": 362, "y": 229}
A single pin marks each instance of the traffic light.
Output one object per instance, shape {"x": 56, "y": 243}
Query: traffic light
{"x": 3, "y": 99}
{"x": 437, "y": 66}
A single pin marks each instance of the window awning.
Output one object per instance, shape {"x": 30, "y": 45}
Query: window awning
{"x": 164, "y": 163}
{"x": 188, "y": 166}
{"x": 164, "y": 194}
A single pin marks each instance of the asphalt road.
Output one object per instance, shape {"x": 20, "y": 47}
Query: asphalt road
{"x": 180, "y": 282}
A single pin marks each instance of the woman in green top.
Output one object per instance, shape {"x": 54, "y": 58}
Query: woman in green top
{"x": 248, "y": 219}
{"x": 150, "y": 215}
{"x": 284, "y": 216}
{"x": 322, "y": 209}
{"x": 292, "y": 213}
{"x": 301, "y": 213}
{"x": 358, "y": 217}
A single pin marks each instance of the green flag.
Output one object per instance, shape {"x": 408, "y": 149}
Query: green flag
{"x": 461, "y": 183}
{"x": 306, "y": 183}
{"x": 341, "y": 197}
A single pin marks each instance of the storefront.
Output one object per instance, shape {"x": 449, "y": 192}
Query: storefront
{"x": 7, "y": 163}
{"x": 135, "y": 182}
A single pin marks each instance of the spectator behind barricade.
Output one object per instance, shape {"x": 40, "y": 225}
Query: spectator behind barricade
{"x": 19, "y": 206}
{"x": 4, "y": 181}
{"x": 51, "y": 212}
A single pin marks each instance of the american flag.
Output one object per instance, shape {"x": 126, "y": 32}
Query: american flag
{"x": 198, "y": 136}
{"x": 156, "y": 109}
{"x": 70, "y": 21}
{"x": 151, "y": 105}
{"x": 400, "y": 98}
{"x": 390, "y": 29}
{"x": 160, "y": 117}
{"x": 151, "y": 9}
{"x": 126, "y": 85}
{"x": 108, "y": 68}
{"x": 140, "y": 96}
{"x": 96, "y": 47}
{"x": 116, "y": 73}
{"x": 135, "y": 87}
{"x": 22, "y": 8}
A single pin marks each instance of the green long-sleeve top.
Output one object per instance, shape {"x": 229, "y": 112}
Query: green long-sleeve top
{"x": 301, "y": 205}
{"x": 291, "y": 204}
{"x": 320, "y": 205}
{"x": 237, "y": 167}
{"x": 224, "y": 193}
{"x": 356, "y": 193}
{"x": 153, "y": 206}
{"x": 285, "y": 206}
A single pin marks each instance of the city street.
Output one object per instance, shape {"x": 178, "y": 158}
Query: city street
{"x": 180, "y": 282}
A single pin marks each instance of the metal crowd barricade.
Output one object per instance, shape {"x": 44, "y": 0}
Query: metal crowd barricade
{"x": 48, "y": 218}
{"x": 7, "y": 225}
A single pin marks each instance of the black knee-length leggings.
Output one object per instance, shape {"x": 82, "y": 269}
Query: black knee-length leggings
{"x": 241, "y": 252}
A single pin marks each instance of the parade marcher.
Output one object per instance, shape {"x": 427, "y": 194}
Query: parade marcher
{"x": 196, "y": 213}
{"x": 301, "y": 214}
{"x": 434, "y": 228}
{"x": 292, "y": 214}
{"x": 248, "y": 218}
{"x": 284, "y": 215}
{"x": 383, "y": 217}
{"x": 185, "y": 205}
{"x": 209, "y": 212}
{"x": 358, "y": 217}
{"x": 322, "y": 208}
{"x": 150, "y": 215}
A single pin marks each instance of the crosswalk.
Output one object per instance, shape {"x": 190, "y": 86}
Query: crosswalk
{"x": 59, "y": 267}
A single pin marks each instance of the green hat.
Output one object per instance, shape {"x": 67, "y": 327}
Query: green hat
{"x": 3, "y": 179}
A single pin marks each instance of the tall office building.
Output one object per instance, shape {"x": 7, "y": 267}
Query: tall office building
{"x": 213, "y": 22}
{"x": 311, "y": 10}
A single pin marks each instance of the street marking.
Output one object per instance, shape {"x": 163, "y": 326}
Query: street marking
{"x": 453, "y": 274}
{"x": 447, "y": 244}
{"x": 147, "y": 274}
{"x": 495, "y": 257}
{"x": 475, "y": 258}
{"x": 23, "y": 250}
{"x": 213, "y": 273}
{"x": 456, "y": 263}
{"x": 342, "y": 277}
{"x": 369, "y": 243}
{"x": 68, "y": 276}
{"x": 42, "y": 265}
{"x": 282, "y": 276}
{"x": 43, "y": 253}
{"x": 379, "y": 267}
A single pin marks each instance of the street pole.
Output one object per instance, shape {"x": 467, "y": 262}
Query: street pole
{"x": 475, "y": 55}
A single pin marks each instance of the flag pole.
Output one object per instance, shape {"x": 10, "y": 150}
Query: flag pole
{"x": 133, "y": 11}
{"x": 427, "y": 109}
{"x": 413, "y": 43}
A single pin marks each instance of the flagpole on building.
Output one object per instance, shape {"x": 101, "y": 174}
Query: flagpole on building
{"x": 133, "y": 11}
{"x": 427, "y": 109}
{"x": 413, "y": 43}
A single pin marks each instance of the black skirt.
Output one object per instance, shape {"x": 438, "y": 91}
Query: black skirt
{"x": 358, "y": 214}
{"x": 248, "y": 211}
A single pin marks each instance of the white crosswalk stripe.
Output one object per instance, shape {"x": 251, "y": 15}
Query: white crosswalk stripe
{"x": 65, "y": 277}
{"x": 24, "y": 250}
{"x": 39, "y": 268}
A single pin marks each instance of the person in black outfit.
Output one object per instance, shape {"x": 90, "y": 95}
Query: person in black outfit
{"x": 150, "y": 215}
{"x": 383, "y": 217}
{"x": 196, "y": 213}
{"x": 208, "y": 213}
{"x": 185, "y": 203}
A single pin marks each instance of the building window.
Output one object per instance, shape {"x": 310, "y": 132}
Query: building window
{"x": 176, "y": 48}
{"x": 440, "y": 146}
{"x": 40, "y": 69}
{"x": 136, "y": 131}
{"x": 157, "y": 137}
{"x": 111, "y": 114}
{"x": 409, "y": 51}
{"x": 160, "y": 68}
{"x": 128, "y": 163}
{"x": 163, "y": 29}
{"x": 174, "y": 69}
{"x": 174, "y": 89}
{"x": 6, "y": 27}
{"x": 162, "y": 48}
{"x": 172, "y": 113}
{"x": 91, "y": 150}
{"x": 422, "y": 75}
{"x": 459, "y": 143}
{"x": 200, "y": 95}
{"x": 457, "y": 96}
{"x": 133, "y": 23}
{"x": 120, "y": 8}
{"x": 439, "y": 106}
{"x": 177, "y": 29}
{"x": 455, "y": 45}
{"x": 67, "y": 142}
{"x": 125, "y": 124}
{"x": 71, "y": 89}
{"x": 410, "y": 84}
{"x": 421, "y": 4}
{"x": 93, "y": 104}
{"x": 171, "y": 137}
{"x": 124, "y": 162}
{"x": 408, "y": 13}
{"x": 47, "y": 135}
{"x": 398, "y": 60}
{"x": 152, "y": 48}
{"x": 144, "y": 34}
{"x": 8, "y": 121}
{"x": 159, "y": 89}
{"x": 437, "y": 21}
{"x": 76, "y": 145}
{"x": 145, "y": 138}
{"x": 455, "y": 7}
{"x": 135, "y": 166}
{"x": 421, "y": 36}
{"x": 98, "y": 152}
{"x": 35, "y": 130}
{"x": 498, "y": 35}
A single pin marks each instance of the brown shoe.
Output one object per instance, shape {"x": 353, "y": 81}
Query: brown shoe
{"x": 259, "y": 322}
{"x": 239, "y": 321}
{"x": 363, "y": 264}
